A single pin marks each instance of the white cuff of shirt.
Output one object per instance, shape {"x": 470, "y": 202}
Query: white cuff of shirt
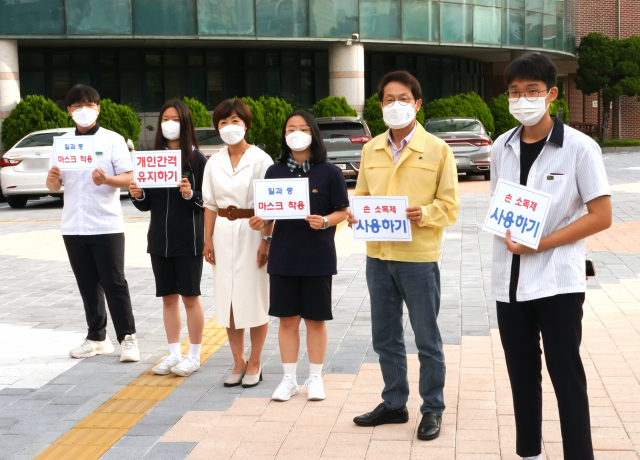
{"x": 190, "y": 196}
{"x": 141, "y": 198}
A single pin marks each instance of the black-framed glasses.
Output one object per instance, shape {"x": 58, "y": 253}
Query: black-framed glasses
{"x": 530, "y": 95}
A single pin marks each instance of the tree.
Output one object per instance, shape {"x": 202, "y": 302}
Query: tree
{"x": 373, "y": 115}
{"x": 119, "y": 118}
{"x": 267, "y": 122}
{"x": 462, "y": 105}
{"x": 201, "y": 118}
{"x": 555, "y": 106}
{"x": 33, "y": 113}
{"x": 503, "y": 120}
{"x": 609, "y": 66}
{"x": 333, "y": 106}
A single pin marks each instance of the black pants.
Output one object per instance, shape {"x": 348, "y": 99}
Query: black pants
{"x": 98, "y": 264}
{"x": 559, "y": 319}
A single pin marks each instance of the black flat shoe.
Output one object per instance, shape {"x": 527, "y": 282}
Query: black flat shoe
{"x": 381, "y": 415}
{"x": 429, "y": 427}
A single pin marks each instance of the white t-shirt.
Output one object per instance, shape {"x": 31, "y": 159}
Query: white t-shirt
{"x": 90, "y": 209}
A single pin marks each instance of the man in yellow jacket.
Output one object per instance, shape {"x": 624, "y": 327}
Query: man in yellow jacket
{"x": 408, "y": 161}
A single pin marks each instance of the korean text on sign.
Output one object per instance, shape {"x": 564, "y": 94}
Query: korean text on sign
{"x": 281, "y": 198}
{"x": 74, "y": 153}
{"x": 520, "y": 209}
{"x": 157, "y": 168}
{"x": 381, "y": 218}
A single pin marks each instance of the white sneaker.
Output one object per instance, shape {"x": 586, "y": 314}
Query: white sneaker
{"x": 130, "y": 351}
{"x": 287, "y": 388}
{"x": 187, "y": 366}
{"x": 164, "y": 366}
{"x": 90, "y": 348}
{"x": 316, "y": 388}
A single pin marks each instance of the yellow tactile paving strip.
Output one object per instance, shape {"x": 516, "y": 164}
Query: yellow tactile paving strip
{"x": 97, "y": 432}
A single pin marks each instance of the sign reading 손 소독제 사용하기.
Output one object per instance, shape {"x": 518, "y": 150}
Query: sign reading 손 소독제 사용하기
{"x": 381, "y": 218}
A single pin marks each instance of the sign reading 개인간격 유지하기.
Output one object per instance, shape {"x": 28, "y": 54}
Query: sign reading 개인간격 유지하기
{"x": 381, "y": 218}
{"x": 157, "y": 168}
{"x": 74, "y": 153}
{"x": 281, "y": 198}
{"x": 522, "y": 210}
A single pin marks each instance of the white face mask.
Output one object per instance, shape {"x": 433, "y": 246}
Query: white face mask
{"x": 170, "y": 130}
{"x": 526, "y": 112}
{"x": 232, "y": 134}
{"x": 398, "y": 116}
{"x": 85, "y": 117}
{"x": 298, "y": 141}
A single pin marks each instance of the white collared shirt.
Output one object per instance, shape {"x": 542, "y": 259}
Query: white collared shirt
{"x": 90, "y": 209}
{"x": 397, "y": 151}
{"x": 579, "y": 176}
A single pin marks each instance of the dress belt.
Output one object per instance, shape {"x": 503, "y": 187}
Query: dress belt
{"x": 233, "y": 213}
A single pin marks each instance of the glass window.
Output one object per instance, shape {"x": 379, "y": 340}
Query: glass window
{"x": 108, "y": 59}
{"x": 164, "y": 17}
{"x": 109, "y": 85}
{"x": 487, "y": 2}
{"x": 99, "y": 17}
{"x": 421, "y": 20}
{"x": 82, "y": 60}
{"x": 533, "y": 28}
{"x": 534, "y": 5}
{"x": 569, "y": 39}
{"x": 549, "y": 31}
{"x": 214, "y": 87}
{"x": 196, "y": 86}
{"x": 32, "y": 83}
{"x": 517, "y": 4}
{"x": 452, "y": 126}
{"x": 30, "y": 60}
{"x": 307, "y": 94}
{"x": 61, "y": 60}
{"x": 380, "y": 19}
{"x": 456, "y": 23}
{"x": 334, "y": 18}
{"x": 560, "y": 8}
{"x": 487, "y": 25}
{"x": 196, "y": 60}
{"x": 39, "y": 140}
{"x": 282, "y": 18}
{"x": 209, "y": 136}
{"x": 512, "y": 27}
{"x": 31, "y": 16}
{"x": 335, "y": 130}
{"x": 153, "y": 97}
{"x": 173, "y": 84}
{"x": 172, "y": 59}
{"x": 61, "y": 84}
{"x": 130, "y": 88}
{"x": 559, "y": 34}
{"x": 226, "y": 17}
{"x": 550, "y": 6}
{"x": 153, "y": 59}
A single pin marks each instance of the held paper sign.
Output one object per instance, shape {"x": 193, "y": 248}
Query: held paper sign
{"x": 281, "y": 198}
{"x": 74, "y": 153}
{"x": 157, "y": 168}
{"x": 521, "y": 209}
{"x": 381, "y": 218}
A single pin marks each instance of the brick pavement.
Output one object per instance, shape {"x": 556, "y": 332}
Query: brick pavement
{"x": 200, "y": 418}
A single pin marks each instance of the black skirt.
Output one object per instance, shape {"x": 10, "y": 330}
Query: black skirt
{"x": 305, "y": 296}
{"x": 177, "y": 275}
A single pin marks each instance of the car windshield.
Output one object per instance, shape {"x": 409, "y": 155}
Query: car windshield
{"x": 39, "y": 140}
{"x": 208, "y": 137}
{"x": 336, "y": 130}
{"x": 452, "y": 126}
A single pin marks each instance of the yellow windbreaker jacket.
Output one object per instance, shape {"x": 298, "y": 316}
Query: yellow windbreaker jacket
{"x": 426, "y": 173}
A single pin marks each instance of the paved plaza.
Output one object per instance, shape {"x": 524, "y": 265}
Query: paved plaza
{"x": 54, "y": 407}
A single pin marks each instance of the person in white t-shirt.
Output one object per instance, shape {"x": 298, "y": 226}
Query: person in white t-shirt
{"x": 93, "y": 229}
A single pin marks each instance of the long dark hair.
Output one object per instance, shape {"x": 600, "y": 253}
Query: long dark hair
{"x": 318, "y": 150}
{"x": 188, "y": 138}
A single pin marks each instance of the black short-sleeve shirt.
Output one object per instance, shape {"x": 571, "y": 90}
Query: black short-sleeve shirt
{"x": 296, "y": 248}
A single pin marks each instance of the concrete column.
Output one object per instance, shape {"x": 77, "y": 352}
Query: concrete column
{"x": 346, "y": 73}
{"x": 9, "y": 81}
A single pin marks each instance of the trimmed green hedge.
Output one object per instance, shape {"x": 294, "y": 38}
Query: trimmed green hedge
{"x": 201, "y": 118}
{"x": 503, "y": 120}
{"x": 333, "y": 106}
{"x": 267, "y": 122}
{"x": 33, "y": 113}
{"x": 462, "y": 105}
{"x": 372, "y": 114}
{"x": 557, "y": 104}
{"x": 121, "y": 119}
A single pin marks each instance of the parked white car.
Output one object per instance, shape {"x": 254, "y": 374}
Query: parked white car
{"x": 24, "y": 167}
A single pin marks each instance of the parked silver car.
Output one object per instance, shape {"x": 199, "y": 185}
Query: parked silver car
{"x": 344, "y": 138}
{"x": 470, "y": 143}
{"x": 209, "y": 141}
{"x": 25, "y": 166}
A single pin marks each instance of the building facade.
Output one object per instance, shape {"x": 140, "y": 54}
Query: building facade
{"x": 143, "y": 52}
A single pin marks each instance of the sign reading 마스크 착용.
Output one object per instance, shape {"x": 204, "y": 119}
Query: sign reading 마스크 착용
{"x": 281, "y": 198}
{"x": 157, "y": 168}
{"x": 520, "y": 209}
{"x": 74, "y": 153}
{"x": 381, "y": 218}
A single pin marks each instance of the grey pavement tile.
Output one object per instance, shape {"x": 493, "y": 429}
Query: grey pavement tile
{"x": 170, "y": 451}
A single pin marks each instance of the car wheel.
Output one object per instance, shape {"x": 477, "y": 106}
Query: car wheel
{"x": 487, "y": 175}
{"x": 17, "y": 201}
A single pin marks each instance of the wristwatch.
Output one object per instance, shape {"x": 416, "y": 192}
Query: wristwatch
{"x": 267, "y": 239}
{"x": 325, "y": 225}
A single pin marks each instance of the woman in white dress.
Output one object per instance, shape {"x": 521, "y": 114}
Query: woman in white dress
{"x": 237, "y": 253}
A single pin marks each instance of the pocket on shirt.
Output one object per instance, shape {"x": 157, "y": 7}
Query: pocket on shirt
{"x": 555, "y": 187}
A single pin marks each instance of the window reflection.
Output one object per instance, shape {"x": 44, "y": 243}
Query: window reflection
{"x": 487, "y": 25}
{"x": 534, "y": 5}
{"x": 282, "y": 18}
{"x": 31, "y": 16}
{"x": 334, "y": 18}
{"x": 513, "y": 27}
{"x": 533, "y": 29}
{"x": 421, "y": 20}
{"x": 380, "y": 19}
{"x": 99, "y": 17}
{"x": 226, "y": 17}
{"x": 549, "y": 31}
{"x": 164, "y": 17}
{"x": 456, "y": 23}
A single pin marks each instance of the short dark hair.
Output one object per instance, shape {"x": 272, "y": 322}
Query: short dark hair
{"x": 188, "y": 138}
{"x": 400, "y": 76}
{"x": 318, "y": 150}
{"x": 532, "y": 67}
{"x": 227, "y": 107}
{"x": 82, "y": 93}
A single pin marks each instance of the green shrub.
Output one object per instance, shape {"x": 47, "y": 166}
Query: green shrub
{"x": 373, "y": 115}
{"x": 33, "y": 113}
{"x": 620, "y": 143}
{"x": 462, "y": 105}
{"x": 503, "y": 120}
{"x": 560, "y": 103}
{"x": 201, "y": 118}
{"x": 333, "y": 106}
{"x": 267, "y": 122}
{"x": 121, "y": 119}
